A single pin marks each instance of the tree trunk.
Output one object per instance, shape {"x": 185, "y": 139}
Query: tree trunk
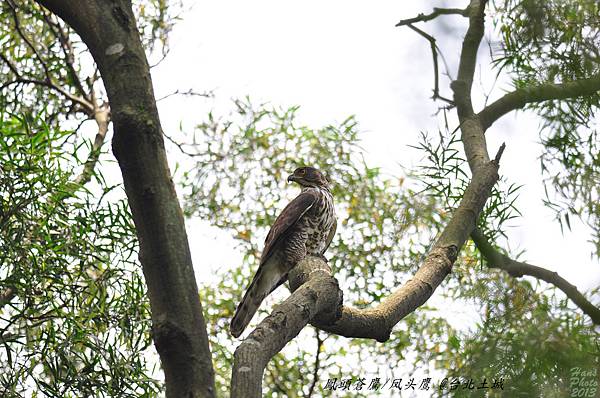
{"x": 109, "y": 30}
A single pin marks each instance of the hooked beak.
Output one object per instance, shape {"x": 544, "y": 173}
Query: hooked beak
{"x": 292, "y": 177}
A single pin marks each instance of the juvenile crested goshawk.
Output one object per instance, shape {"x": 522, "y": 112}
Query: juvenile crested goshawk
{"x": 305, "y": 227}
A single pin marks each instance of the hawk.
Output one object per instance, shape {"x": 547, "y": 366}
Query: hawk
{"x": 305, "y": 227}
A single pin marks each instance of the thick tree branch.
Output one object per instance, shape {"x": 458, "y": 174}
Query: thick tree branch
{"x": 468, "y": 54}
{"x": 317, "y": 299}
{"x": 179, "y": 330}
{"x": 472, "y": 133}
{"x": 517, "y": 269}
{"x": 436, "y": 13}
{"x": 316, "y": 291}
{"x": 377, "y": 322}
{"x": 473, "y": 128}
{"x": 543, "y": 92}
{"x": 319, "y": 296}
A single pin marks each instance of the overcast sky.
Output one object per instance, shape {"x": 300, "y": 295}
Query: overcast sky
{"x": 338, "y": 58}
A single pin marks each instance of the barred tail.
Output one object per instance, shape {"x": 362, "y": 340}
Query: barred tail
{"x": 267, "y": 278}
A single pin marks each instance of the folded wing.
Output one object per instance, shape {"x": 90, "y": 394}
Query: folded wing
{"x": 270, "y": 274}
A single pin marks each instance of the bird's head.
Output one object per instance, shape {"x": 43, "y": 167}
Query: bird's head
{"x": 309, "y": 177}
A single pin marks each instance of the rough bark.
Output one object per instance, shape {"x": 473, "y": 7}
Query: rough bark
{"x": 319, "y": 296}
{"x": 109, "y": 30}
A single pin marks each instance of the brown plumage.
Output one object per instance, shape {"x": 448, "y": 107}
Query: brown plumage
{"x": 306, "y": 226}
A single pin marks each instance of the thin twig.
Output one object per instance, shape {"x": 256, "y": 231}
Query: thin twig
{"x": 434, "y": 54}
{"x": 181, "y": 146}
{"x": 436, "y": 13}
{"x": 317, "y": 365}
{"x": 11, "y": 66}
{"x": 67, "y": 47}
{"x": 190, "y": 93}
{"x": 20, "y": 32}
{"x": 499, "y": 154}
{"x": 162, "y": 58}
{"x": 81, "y": 101}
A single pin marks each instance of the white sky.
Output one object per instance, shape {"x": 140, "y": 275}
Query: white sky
{"x": 338, "y": 58}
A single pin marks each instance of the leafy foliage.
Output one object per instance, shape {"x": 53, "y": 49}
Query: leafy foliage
{"x": 443, "y": 174}
{"x": 74, "y": 319}
{"x": 577, "y": 183}
{"x": 47, "y": 68}
{"x": 554, "y": 42}
{"x": 32, "y": 51}
{"x": 155, "y": 19}
{"x": 505, "y": 343}
{"x": 531, "y": 340}
{"x": 238, "y": 184}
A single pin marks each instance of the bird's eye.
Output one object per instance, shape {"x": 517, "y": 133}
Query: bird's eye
{"x": 302, "y": 172}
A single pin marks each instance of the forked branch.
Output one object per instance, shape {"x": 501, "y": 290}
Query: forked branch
{"x": 317, "y": 299}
